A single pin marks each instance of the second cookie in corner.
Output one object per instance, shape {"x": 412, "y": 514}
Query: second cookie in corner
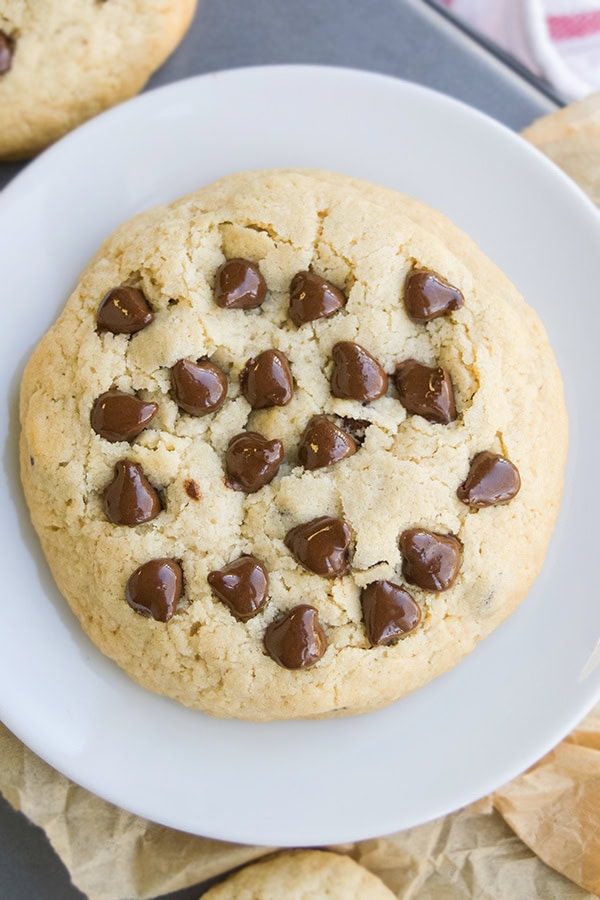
{"x": 64, "y": 61}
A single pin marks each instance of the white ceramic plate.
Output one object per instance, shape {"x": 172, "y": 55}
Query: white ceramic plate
{"x": 524, "y": 687}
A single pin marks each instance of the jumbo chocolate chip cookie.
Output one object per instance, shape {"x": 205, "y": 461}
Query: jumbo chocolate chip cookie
{"x": 64, "y": 61}
{"x": 302, "y": 875}
{"x": 293, "y": 447}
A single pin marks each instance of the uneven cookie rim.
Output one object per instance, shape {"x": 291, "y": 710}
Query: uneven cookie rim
{"x": 343, "y": 814}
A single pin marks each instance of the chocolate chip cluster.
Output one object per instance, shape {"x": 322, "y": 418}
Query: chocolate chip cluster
{"x": 430, "y": 561}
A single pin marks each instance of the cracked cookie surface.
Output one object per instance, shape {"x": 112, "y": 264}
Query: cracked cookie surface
{"x": 402, "y": 473}
{"x": 64, "y": 61}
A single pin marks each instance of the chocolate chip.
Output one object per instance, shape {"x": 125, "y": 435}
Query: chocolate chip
{"x": 239, "y": 285}
{"x": 426, "y": 391}
{"x": 7, "y": 49}
{"x": 154, "y": 589}
{"x": 356, "y": 374}
{"x": 192, "y": 489}
{"x": 130, "y": 499}
{"x": 430, "y": 560}
{"x": 117, "y": 416}
{"x": 321, "y": 546}
{"x": 242, "y": 585}
{"x": 267, "y": 380}
{"x": 251, "y": 461}
{"x": 297, "y": 640}
{"x": 199, "y": 388}
{"x": 311, "y": 297}
{"x": 124, "y": 310}
{"x": 427, "y": 296}
{"x": 492, "y": 480}
{"x": 389, "y": 612}
{"x": 323, "y": 444}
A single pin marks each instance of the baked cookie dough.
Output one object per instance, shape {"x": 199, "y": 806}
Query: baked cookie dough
{"x": 293, "y": 447}
{"x": 571, "y": 138}
{"x": 64, "y": 61}
{"x": 302, "y": 875}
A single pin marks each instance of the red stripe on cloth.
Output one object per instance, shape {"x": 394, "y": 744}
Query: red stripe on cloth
{"x": 562, "y": 28}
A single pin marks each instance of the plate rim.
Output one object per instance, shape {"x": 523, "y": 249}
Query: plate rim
{"x": 292, "y": 68}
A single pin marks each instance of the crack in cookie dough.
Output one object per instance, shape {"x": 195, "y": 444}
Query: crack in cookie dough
{"x": 403, "y": 474}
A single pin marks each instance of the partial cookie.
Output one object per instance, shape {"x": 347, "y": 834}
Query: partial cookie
{"x": 293, "y": 447}
{"x": 571, "y": 138}
{"x": 302, "y": 875}
{"x": 64, "y": 61}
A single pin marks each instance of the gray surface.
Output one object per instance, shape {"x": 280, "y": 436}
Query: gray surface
{"x": 397, "y": 37}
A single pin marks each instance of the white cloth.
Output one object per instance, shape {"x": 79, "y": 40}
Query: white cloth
{"x": 559, "y": 39}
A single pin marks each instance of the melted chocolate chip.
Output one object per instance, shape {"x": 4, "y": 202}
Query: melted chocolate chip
{"x": 389, "y": 612}
{"x": 356, "y": 374}
{"x": 324, "y": 443}
{"x": 321, "y": 546}
{"x": 297, "y": 640}
{"x": 311, "y": 297}
{"x": 426, "y": 391}
{"x": 154, "y": 589}
{"x": 130, "y": 499}
{"x": 7, "y": 49}
{"x": 121, "y": 417}
{"x": 239, "y": 285}
{"x": 267, "y": 380}
{"x": 124, "y": 310}
{"x": 427, "y": 296}
{"x": 492, "y": 480}
{"x": 192, "y": 489}
{"x": 199, "y": 388}
{"x": 242, "y": 585}
{"x": 251, "y": 461}
{"x": 430, "y": 560}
